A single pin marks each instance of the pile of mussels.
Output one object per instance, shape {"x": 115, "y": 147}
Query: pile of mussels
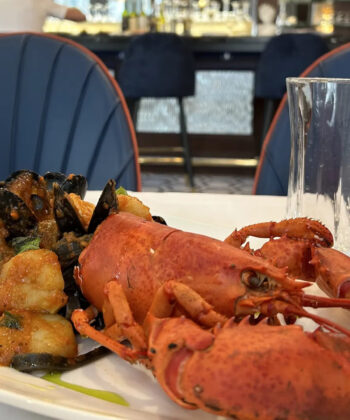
{"x": 39, "y": 207}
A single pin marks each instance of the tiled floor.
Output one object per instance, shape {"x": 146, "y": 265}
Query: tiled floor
{"x": 204, "y": 183}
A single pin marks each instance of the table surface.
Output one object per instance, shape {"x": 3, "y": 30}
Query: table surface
{"x": 215, "y": 214}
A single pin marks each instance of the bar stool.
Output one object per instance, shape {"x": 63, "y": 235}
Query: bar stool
{"x": 286, "y": 55}
{"x": 158, "y": 65}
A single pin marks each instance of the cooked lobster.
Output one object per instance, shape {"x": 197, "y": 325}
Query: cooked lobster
{"x": 139, "y": 272}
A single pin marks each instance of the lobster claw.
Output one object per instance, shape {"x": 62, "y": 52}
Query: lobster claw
{"x": 294, "y": 374}
{"x": 332, "y": 270}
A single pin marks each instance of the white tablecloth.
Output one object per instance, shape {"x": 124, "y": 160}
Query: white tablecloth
{"x": 213, "y": 214}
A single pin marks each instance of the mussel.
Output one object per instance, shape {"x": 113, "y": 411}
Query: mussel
{"x": 76, "y": 184}
{"x": 159, "y": 219}
{"x": 15, "y": 214}
{"x": 30, "y": 362}
{"x": 41, "y": 206}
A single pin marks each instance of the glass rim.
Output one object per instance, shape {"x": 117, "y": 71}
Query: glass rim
{"x": 298, "y": 80}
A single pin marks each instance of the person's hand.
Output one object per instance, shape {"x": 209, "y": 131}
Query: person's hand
{"x": 75, "y": 14}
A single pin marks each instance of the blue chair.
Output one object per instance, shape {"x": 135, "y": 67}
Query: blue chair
{"x": 158, "y": 65}
{"x": 60, "y": 110}
{"x": 286, "y": 55}
{"x": 271, "y": 177}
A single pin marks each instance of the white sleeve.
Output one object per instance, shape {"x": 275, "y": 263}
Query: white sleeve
{"x": 56, "y": 10}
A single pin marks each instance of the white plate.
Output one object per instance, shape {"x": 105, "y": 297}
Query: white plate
{"x": 135, "y": 384}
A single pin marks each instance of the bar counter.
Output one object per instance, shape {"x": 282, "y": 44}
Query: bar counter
{"x": 223, "y": 117}
{"x": 211, "y": 52}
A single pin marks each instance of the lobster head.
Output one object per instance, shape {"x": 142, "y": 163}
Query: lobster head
{"x": 267, "y": 289}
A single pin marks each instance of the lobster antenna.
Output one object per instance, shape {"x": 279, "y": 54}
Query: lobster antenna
{"x": 314, "y": 301}
{"x": 321, "y": 321}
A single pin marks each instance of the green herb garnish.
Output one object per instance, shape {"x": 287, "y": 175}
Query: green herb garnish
{"x": 103, "y": 395}
{"x": 121, "y": 191}
{"x": 22, "y": 244}
{"x": 11, "y": 321}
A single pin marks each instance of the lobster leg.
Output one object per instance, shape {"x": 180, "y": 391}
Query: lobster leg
{"x": 196, "y": 307}
{"x": 125, "y": 324}
{"x": 82, "y": 318}
{"x": 299, "y": 228}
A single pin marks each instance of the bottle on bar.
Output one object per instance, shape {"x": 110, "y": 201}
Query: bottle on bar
{"x": 160, "y": 17}
{"x": 143, "y": 23}
{"x": 125, "y": 17}
{"x": 133, "y": 19}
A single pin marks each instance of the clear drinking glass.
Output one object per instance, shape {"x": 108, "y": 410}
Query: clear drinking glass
{"x": 319, "y": 177}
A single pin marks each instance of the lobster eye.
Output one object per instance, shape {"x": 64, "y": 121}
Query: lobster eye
{"x": 252, "y": 280}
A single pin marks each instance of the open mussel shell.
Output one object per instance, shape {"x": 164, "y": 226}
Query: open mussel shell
{"x": 30, "y": 362}
{"x": 107, "y": 204}
{"x": 21, "y": 172}
{"x": 18, "y": 219}
{"x": 52, "y": 178}
{"x": 65, "y": 215}
{"x": 76, "y": 184}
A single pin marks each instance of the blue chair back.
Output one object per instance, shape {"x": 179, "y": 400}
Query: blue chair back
{"x": 61, "y": 111}
{"x": 286, "y": 55}
{"x": 157, "y": 65}
{"x": 272, "y": 173}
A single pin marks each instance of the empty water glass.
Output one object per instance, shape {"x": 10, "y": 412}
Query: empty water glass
{"x": 319, "y": 178}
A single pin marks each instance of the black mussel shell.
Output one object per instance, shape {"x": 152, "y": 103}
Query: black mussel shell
{"x": 73, "y": 303}
{"x": 107, "y": 204}
{"x": 76, "y": 184}
{"x": 31, "y": 188}
{"x": 31, "y": 362}
{"x": 159, "y": 219}
{"x": 52, "y": 178}
{"x": 37, "y": 202}
{"x": 65, "y": 215}
{"x": 16, "y": 174}
{"x": 17, "y": 217}
{"x": 70, "y": 247}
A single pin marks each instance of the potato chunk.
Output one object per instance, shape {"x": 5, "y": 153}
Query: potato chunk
{"x": 84, "y": 209}
{"x": 33, "y": 281}
{"x": 28, "y": 332}
{"x": 133, "y": 205}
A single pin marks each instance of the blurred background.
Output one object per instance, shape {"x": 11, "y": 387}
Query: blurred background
{"x": 226, "y": 118}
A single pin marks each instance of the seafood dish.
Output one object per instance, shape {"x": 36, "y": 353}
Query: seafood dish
{"x": 214, "y": 321}
{"x": 44, "y": 226}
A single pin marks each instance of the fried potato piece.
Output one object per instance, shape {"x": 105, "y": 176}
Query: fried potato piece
{"x": 33, "y": 281}
{"x": 133, "y": 205}
{"x": 126, "y": 204}
{"x": 84, "y": 209}
{"x": 29, "y": 332}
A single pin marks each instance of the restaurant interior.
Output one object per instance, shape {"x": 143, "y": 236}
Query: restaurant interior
{"x": 242, "y": 51}
{"x": 125, "y": 294}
